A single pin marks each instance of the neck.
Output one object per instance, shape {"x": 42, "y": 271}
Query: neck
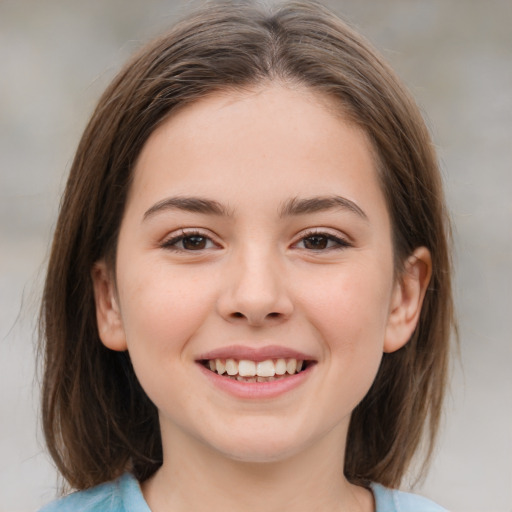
{"x": 201, "y": 479}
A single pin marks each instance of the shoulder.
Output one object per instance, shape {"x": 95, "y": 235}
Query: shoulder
{"x": 121, "y": 495}
{"x": 391, "y": 500}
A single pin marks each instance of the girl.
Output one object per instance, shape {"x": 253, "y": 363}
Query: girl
{"x": 248, "y": 300}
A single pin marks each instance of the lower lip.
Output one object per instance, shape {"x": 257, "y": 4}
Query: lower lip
{"x": 257, "y": 390}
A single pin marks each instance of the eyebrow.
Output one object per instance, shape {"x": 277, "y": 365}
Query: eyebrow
{"x": 292, "y": 207}
{"x": 188, "y": 204}
{"x": 296, "y": 206}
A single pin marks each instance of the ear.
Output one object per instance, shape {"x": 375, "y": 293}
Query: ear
{"x": 407, "y": 299}
{"x": 108, "y": 315}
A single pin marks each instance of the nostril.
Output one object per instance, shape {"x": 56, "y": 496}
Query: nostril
{"x": 254, "y": 319}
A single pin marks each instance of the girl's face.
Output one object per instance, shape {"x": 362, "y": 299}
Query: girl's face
{"x": 256, "y": 236}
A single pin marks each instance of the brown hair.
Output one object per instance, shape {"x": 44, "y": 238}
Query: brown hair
{"x": 97, "y": 420}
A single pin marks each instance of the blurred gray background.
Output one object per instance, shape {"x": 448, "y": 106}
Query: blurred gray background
{"x": 56, "y": 57}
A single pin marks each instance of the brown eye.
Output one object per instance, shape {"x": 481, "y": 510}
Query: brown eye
{"x": 194, "y": 242}
{"x": 322, "y": 242}
{"x": 191, "y": 242}
{"x": 316, "y": 242}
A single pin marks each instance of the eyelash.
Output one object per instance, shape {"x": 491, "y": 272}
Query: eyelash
{"x": 172, "y": 243}
{"x": 340, "y": 243}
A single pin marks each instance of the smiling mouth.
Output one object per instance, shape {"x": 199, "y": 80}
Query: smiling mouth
{"x": 245, "y": 370}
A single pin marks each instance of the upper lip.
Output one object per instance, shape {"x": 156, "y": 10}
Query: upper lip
{"x": 254, "y": 354}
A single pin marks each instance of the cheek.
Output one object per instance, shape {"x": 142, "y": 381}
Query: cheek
{"x": 355, "y": 299}
{"x": 349, "y": 312}
{"x": 162, "y": 307}
{"x": 162, "y": 311}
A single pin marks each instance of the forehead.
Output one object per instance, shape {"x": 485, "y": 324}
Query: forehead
{"x": 289, "y": 139}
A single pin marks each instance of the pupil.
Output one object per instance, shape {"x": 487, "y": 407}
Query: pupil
{"x": 194, "y": 242}
{"x": 315, "y": 242}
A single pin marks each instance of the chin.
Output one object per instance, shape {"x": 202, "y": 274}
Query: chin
{"x": 260, "y": 446}
{"x": 260, "y": 455}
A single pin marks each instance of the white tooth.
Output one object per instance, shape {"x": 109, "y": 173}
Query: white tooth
{"x": 231, "y": 367}
{"x": 220, "y": 365}
{"x": 266, "y": 368}
{"x": 280, "y": 367}
{"x": 241, "y": 379}
{"x": 291, "y": 366}
{"x": 299, "y": 365}
{"x": 212, "y": 365}
{"x": 261, "y": 379}
{"x": 270, "y": 379}
{"x": 251, "y": 379}
{"x": 246, "y": 368}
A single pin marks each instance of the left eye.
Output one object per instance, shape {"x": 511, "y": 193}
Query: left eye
{"x": 192, "y": 242}
{"x": 321, "y": 241}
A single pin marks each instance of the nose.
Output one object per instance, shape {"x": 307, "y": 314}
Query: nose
{"x": 255, "y": 291}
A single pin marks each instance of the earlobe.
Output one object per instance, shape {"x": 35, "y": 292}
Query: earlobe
{"x": 407, "y": 299}
{"x": 108, "y": 315}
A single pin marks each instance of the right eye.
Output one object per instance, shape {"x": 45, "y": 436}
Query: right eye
{"x": 189, "y": 242}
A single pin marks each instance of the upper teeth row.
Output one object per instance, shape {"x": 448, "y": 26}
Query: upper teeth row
{"x": 247, "y": 368}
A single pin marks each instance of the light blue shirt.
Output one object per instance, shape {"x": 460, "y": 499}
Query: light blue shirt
{"x": 124, "y": 495}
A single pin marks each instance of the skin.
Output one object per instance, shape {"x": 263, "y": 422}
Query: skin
{"x": 257, "y": 280}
